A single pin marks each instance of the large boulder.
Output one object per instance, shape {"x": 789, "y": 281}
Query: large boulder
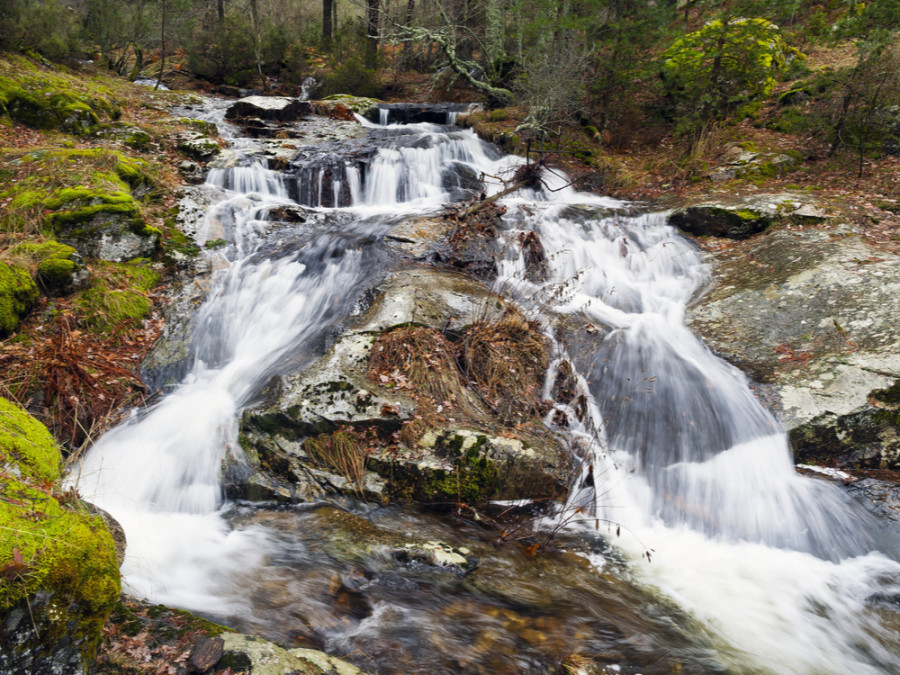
{"x": 59, "y": 573}
{"x": 810, "y": 316}
{"x": 274, "y": 108}
{"x": 740, "y": 218}
{"x": 104, "y": 225}
{"x": 404, "y": 434}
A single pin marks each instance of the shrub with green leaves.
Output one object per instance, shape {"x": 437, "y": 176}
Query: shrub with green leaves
{"x": 725, "y": 63}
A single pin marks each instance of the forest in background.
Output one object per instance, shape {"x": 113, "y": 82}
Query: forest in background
{"x": 626, "y": 71}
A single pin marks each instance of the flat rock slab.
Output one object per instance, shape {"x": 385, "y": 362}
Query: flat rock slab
{"x": 810, "y": 315}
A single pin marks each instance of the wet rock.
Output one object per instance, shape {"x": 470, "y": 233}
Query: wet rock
{"x": 865, "y": 438}
{"x": 742, "y": 218}
{"x": 336, "y": 396}
{"x": 191, "y": 171}
{"x": 809, "y": 316}
{"x": 205, "y": 654}
{"x": 410, "y": 113}
{"x": 197, "y": 146}
{"x": 288, "y": 214}
{"x": 256, "y": 656}
{"x": 274, "y": 108}
{"x": 419, "y": 238}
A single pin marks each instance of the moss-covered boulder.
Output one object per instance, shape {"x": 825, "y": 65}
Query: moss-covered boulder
{"x": 741, "y": 218}
{"x": 59, "y": 268}
{"x": 127, "y": 134}
{"x": 104, "y": 225}
{"x": 59, "y": 576}
{"x": 42, "y": 98}
{"x": 18, "y": 293}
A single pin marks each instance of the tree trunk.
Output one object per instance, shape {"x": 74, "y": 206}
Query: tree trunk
{"x": 371, "y": 34}
{"x": 162, "y": 42}
{"x": 220, "y": 6}
{"x": 327, "y": 26}
{"x": 257, "y": 38}
{"x": 407, "y": 46}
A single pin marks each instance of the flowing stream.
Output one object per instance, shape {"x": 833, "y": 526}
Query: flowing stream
{"x": 726, "y": 560}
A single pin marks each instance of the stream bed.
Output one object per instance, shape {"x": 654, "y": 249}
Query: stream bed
{"x": 688, "y": 543}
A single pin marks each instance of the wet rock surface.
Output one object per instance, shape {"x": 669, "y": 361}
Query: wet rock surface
{"x": 466, "y": 453}
{"x": 419, "y": 594}
{"x": 810, "y": 316}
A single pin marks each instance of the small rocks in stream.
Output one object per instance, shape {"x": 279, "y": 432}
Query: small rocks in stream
{"x": 206, "y": 654}
{"x": 256, "y": 656}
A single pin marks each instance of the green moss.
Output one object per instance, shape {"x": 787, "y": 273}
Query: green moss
{"x": 18, "y": 294}
{"x": 118, "y": 294}
{"x": 48, "y": 98}
{"x": 474, "y": 478}
{"x": 27, "y": 443}
{"x": 889, "y": 395}
{"x": 746, "y": 214}
{"x": 61, "y": 567}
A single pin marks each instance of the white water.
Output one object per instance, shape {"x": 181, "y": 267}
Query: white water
{"x": 689, "y": 465}
{"x": 781, "y": 569}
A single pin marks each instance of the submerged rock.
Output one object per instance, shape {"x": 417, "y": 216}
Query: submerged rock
{"x": 255, "y": 656}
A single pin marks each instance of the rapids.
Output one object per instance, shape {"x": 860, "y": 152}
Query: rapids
{"x": 726, "y": 561}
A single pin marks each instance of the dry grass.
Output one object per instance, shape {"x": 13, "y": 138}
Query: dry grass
{"x": 342, "y": 452}
{"x": 505, "y": 360}
{"x": 77, "y": 383}
{"x": 420, "y": 360}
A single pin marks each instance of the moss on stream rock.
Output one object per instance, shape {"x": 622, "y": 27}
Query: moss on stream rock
{"x": 18, "y": 293}
{"x": 60, "y": 573}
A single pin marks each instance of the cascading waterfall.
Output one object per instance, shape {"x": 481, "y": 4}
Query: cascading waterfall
{"x": 781, "y": 570}
{"x": 687, "y": 462}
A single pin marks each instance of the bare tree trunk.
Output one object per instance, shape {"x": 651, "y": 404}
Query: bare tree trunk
{"x": 371, "y": 33}
{"x": 407, "y": 46}
{"x": 220, "y": 6}
{"x": 327, "y": 26}
{"x": 163, "y": 5}
{"x": 254, "y": 17}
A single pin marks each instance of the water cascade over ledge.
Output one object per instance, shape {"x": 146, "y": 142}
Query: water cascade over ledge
{"x": 774, "y": 572}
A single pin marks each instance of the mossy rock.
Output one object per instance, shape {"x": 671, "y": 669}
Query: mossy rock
{"x": 717, "y": 220}
{"x": 60, "y": 576}
{"x": 127, "y": 134}
{"x": 56, "y": 264}
{"x": 120, "y": 295}
{"x": 18, "y": 294}
{"x": 197, "y": 146}
{"x": 108, "y": 226}
{"x": 48, "y": 110}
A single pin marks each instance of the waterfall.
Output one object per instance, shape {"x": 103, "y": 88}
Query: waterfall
{"x": 784, "y": 572}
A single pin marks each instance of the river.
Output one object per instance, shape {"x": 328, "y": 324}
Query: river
{"x": 706, "y": 551}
